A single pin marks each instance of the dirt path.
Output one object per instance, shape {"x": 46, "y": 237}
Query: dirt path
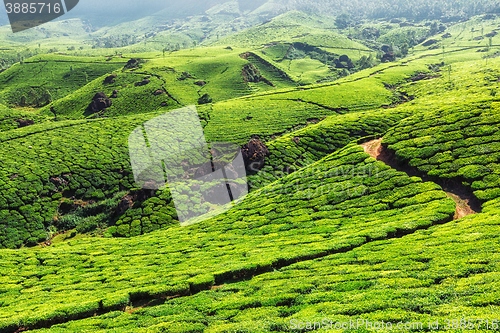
{"x": 463, "y": 198}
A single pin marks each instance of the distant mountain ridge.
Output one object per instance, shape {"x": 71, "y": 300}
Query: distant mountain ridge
{"x": 113, "y": 12}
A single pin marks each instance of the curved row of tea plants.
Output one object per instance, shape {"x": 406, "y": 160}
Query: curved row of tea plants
{"x": 43, "y": 79}
{"x": 457, "y": 142}
{"x": 339, "y": 203}
{"x": 68, "y": 165}
{"x": 51, "y": 169}
{"x": 298, "y": 149}
{"x": 235, "y": 120}
{"x": 12, "y": 119}
{"x": 446, "y": 276}
{"x": 133, "y": 96}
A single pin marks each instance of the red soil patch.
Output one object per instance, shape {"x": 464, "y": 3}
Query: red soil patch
{"x": 376, "y": 150}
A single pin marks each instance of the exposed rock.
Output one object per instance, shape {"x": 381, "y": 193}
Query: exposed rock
{"x": 247, "y": 55}
{"x": 429, "y": 42}
{"x": 491, "y": 34}
{"x": 110, "y": 79}
{"x": 254, "y": 154}
{"x": 163, "y": 104}
{"x": 99, "y": 102}
{"x": 446, "y": 35}
{"x": 130, "y": 199}
{"x": 200, "y": 83}
{"x": 24, "y": 122}
{"x": 142, "y": 83}
{"x": 114, "y": 94}
{"x": 132, "y": 63}
{"x": 159, "y": 92}
{"x": 251, "y": 73}
{"x": 60, "y": 182}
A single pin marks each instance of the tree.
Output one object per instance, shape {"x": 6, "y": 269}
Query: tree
{"x": 205, "y": 99}
{"x": 53, "y": 110}
{"x": 46, "y": 98}
{"x": 343, "y": 21}
{"x": 366, "y": 62}
{"x": 404, "y": 49}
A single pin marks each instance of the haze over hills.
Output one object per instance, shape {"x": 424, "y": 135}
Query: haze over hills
{"x": 158, "y": 13}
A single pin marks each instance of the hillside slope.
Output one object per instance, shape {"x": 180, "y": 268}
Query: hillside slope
{"x": 327, "y": 231}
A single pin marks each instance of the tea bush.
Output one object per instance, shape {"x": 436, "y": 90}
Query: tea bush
{"x": 336, "y": 204}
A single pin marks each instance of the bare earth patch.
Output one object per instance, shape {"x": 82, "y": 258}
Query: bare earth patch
{"x": 376, "y": 150}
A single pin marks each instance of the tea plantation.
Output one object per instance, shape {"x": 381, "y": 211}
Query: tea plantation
{"x": 447, "y": 273}
{"x": 82, "y": 170}
{"x": 328, "y": 234}
{"x": 42, "y": 79}
{"x": 454, "y": 143}
{"x": 339, "y": 203}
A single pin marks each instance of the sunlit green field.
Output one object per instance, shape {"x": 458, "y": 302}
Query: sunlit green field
{"x": 327, "y": 234}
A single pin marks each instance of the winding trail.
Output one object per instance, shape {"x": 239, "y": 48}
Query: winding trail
{"x": 467, "y": 203}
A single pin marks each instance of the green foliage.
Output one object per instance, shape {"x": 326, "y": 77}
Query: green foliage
{"x": 447, "y": 271}
{"x": 333, "y": 205}
{"x": 343, "y": 236}
{"x": 298, "y": 149}
{"x": 453, "y": 143}
{"x": 67, "y": 174}
{"x": 42, "y": 79}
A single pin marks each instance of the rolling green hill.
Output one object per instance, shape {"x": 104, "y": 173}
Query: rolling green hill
{"x": 361, "y": 201}
{"x": 42, "y": 79}
{"x": 378, "y": 199}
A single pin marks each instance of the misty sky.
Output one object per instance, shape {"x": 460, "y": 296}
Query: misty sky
{"x": 98, "y": 10}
